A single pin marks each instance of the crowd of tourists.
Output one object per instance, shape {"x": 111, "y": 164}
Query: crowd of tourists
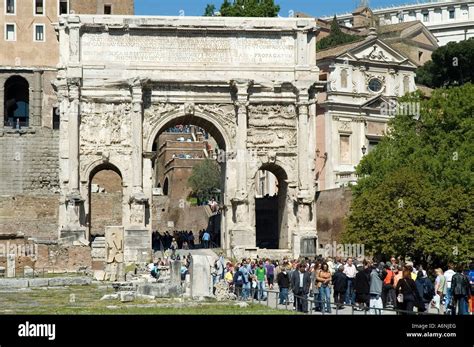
{"x": 183, "y": 239}
{"x": 335, "y": 283}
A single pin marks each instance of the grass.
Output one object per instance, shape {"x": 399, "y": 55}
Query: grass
{"x": 37, "y": 301}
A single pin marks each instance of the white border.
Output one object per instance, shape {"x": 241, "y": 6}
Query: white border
{"x": 34, "y": 9}
{"x": 34, "y": 32}
{"x": 5, "y": 37}
{"x": 59, "y": 8}
{"x": 5, "y": 9}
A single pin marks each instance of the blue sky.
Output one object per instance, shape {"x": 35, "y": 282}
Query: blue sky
{"x": 317, "y": 8}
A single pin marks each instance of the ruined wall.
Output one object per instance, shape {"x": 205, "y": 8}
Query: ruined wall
{"x": 29, "y": 162}
{"x": 31, "y": 215}
{"x": 331, "y": 208}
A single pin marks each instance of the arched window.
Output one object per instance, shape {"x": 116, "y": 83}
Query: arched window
{"x": 165, "y": 186}
{"x": 16, "y": 102}
{"x": 344, "y": 78}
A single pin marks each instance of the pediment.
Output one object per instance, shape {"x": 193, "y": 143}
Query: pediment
{"x": 378, "y": 53}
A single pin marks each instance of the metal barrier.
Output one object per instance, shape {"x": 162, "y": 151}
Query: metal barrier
{"x": 310, "y": 302}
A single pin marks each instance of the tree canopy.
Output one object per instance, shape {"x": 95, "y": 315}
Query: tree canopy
{"x": 415, "y": 193}
{"x": 246, "y": 8}
{"x": 451, "y": 65}
{"x": 336, "y": 37}
{"x": 209, "y": 11}
{"x": 205, "y": 179}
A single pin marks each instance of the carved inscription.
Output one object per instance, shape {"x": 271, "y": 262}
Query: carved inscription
{"x": 188, "y": 49}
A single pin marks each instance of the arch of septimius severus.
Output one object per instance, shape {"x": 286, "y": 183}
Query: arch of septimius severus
{"x": 251, "y": 83}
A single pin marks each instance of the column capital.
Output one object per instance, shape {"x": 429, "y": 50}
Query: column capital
{"x": 241, "y": 104}
{"x": 241, "y": 87}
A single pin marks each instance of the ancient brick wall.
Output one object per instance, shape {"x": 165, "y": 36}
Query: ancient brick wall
{"x": 29, "y": 162}
{"x": 332, "y": 206}
{"x": 119, "y": 7}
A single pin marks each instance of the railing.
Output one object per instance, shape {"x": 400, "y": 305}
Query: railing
{"x": 310, "y": 302}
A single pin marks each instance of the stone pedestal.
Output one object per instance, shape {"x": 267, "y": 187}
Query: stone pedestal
{"x": 175, "y": 272}
{"x": 200, "y": 272}
{"x": 11, "y": 265}
{"x": 137, "y": 241}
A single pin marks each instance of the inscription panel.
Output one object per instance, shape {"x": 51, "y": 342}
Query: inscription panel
{"x": 184, "y": 49}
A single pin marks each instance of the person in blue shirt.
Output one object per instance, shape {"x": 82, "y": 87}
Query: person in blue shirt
{"x": 205, "y": 239}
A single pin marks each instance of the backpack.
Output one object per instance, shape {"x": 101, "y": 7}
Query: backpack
{"x": 239, "y": 278}
{"x": 428, "y": 290}
{"x": 460, "y": 284}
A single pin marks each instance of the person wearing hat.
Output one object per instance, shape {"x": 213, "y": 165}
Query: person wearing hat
{"x": 362, "y": 286}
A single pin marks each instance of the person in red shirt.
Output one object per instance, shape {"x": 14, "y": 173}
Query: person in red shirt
{"x": 388, "y": 290}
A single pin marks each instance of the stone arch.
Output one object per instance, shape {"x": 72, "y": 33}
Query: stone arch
{"x": 271, "y": 212}
{"x": 90, "y": 171}
{"x": 209, "y": 121}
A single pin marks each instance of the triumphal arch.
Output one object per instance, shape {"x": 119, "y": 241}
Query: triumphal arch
{"x": 250, "y": 82}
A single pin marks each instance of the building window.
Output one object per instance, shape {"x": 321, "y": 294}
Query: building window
{"x": 344, "y": 149}
{"x": 344, "y": 79}
{"x": 426, "y": 16}
{"x": 10, "y": 6}
{"x": 420, "y": 56}
{"x": 39, "y": 32}
{"x": 107, "y": 9}
{"x": 16, "y": 101}
{"x": 56, "y": 118}
{"x": 10, "y": 32}
{"x": 63, "y": 7}
{"x": 372, "y": 145}
{"x": 452, "y": 13}
{"x": 39, "y": 7}
{"x": 406, "y": 84}
{"x": 375, "y": 85}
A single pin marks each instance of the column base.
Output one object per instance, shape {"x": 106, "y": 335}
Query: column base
{"x": 73, "y": 236}
{"x": 242, "y": 236}
{"x": 137, "y": 245}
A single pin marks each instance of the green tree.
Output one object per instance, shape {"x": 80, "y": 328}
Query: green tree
{"x": 336, "y": 37}
{"x": 249, "y": 8}
{"x": 451, "y": 65}
{"x": 209, "y": 11}
{"x": 205, "y": 179}
{"x": 415, "y": 196}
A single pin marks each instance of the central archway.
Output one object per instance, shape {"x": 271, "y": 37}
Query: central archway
{"x": 271, "y": 222}
{"x": 179, "y": 143}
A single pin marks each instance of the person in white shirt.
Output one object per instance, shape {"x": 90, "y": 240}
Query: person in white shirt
{"x": 448, "y": 275}
{"x": 350, "y": 271}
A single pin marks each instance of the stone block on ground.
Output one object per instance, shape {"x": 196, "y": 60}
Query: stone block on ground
{"x": 13, "y": 283}
{"x": 69, "y": 281}
{"x": 201, "y": 281}
{"x": 127, "y": 296}
{"x": 159, "y": 290}
{"x": 38, "y": 282}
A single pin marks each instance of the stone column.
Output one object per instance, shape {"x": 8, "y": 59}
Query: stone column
{"x": 303, "y": 141}
{"x": 137, "y": 238}
{"x": 242, "y": 233}
{"x": 37, "y": 100}
{"x": 11, "y": 265}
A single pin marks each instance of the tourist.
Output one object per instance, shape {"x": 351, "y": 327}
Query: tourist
{"x": 448, "y": 275}
{"x": 205, "y": 238}
{"x": 301, "y": 282}
{"x": 440, "y": 287}
{"x": 184, "y": 272}
{"x": 376, "y": 284}
{"x": 283, "y": 281}
{"x": 238, "y": 281}
{"x": 315, "y": 286}
{"x": 362, "y": 286}
{"x": 270, "y": 269}
{"x": 461, "y": 291}
{"x": 350, "y": 271}
{"x": 397, "y": 275}
{"x": 340, "y": 285}
{"x": 407, "y": 294}
{"x": 261, "y": 275}
{"x": 388, "y": 290}
{"x": 324, "y": 279}
{"x": 245, "y": 270}
{"x": 425, "y": 291}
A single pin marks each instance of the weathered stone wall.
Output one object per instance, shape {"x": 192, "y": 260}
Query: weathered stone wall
{"x": 31, "y": 215}
{"x": 332, "y": 206}
{"x": 29, "y": 162}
